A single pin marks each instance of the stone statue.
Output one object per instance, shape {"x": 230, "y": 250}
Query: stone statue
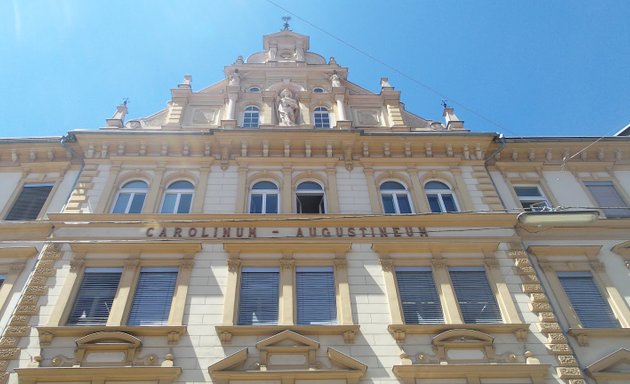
{"x": 234, "y": 78}
{"x": 288, "y": 108}
{"x": 335, "y": 80}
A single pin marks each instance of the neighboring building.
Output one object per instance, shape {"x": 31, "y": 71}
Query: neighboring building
{"x": 288, "y": 226}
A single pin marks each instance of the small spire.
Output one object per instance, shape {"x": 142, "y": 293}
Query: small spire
{"x": 286, "y": 23}
{"x": 452, "y": 121}
{"x": 118, "y": 119}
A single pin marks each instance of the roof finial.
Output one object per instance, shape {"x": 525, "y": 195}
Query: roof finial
{"x": 444, "y": 104}
{"x": 286, "y": 22}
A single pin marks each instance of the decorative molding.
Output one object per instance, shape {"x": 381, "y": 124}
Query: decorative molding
{"x": 283, "y": 344}
{"x": 227, "y": 332}
{"x": 400, "y": 331}
{"x": 172, "y": 332}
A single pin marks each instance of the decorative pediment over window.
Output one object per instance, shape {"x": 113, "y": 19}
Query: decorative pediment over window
{"x": 287, "y": 356}
{"x": 623, "y": 249}
{"x": 111, "y": 355}
{"x": 615, "y": 366}
{"x": 464, "y": 353}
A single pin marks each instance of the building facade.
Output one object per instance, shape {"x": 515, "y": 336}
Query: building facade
{"x": 285, "y": 225}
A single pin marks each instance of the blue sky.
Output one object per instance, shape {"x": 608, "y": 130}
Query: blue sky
{"x": 523, "y": 68}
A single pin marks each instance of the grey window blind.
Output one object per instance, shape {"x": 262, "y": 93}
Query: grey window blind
{"x": 418, "y": 296}
{"x": 474, "y": 295}
{"x": 258, "y": 300}
{"x": 30, "y": 202}
{"x": 153, "y": 296}
{"x": 587, "y": 301}
{"x": 316, "y": 298}
{"x": 608, "y": 198}
{"x": 95, "y": 296}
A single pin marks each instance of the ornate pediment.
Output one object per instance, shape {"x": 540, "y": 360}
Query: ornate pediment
{"x": 110, "y": 356}
{"x": 465, "y": 353}
{"x": 615, "y": 366}
{"x": 109, "y": 349}
{"x": 287, "y": 356}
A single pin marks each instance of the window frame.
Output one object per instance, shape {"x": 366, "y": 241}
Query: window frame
{"x": 583, "y": 258}
{"x": 453, "y": 319}
{"x": 250, "y": 109}
{"x": 440, "y": 193}
{"x": 245, "y": 255}
{"x": 18, "y": 192}
{"x": 543, "y": 198}
{"x": 621, "y": 193}
{"x": 132, "y": 192}
{"x": 91, "y": 256}
{"x": 178, "y": 192}
{"x": 324, "y": 116}
{"x": 310, "y": 192}
{"x": 264, "y": 193}
{"x": 395, "y": 193}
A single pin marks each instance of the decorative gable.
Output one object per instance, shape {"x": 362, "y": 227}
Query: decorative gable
{"x": 287, "y": 356}
{"x": 615, "y": 366}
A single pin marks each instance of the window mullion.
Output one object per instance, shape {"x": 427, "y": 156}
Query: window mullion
{"x": 121, "y": 303}
{"x": 286, "y": 314}
{"x": 452, "y": 313}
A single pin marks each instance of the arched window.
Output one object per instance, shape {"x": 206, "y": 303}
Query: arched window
{"x": 395, "y": 198}
{"x": 131, "y": 197}
{"x": 321, "y": 117}
{"x": 310, "y": 198}
{"x": 254, "y": 90}
{"x": 178, "y": 197}
{"x": 318, "y": 90}
{"x": 263, "y": 198}
{"x": 251, "y": 117}
{"x": 440, "y": 197}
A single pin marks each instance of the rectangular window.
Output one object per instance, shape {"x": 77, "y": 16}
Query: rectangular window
{"x": 587, "y": 301}
{"x": 418, "y": 296}
{"x": 474, "y": 295}
{"x": 95, "y": 297}
{"x": 531, "y": 198}
{"x": 30, "y": 202}
{"x": 258, "y": 299}
{"x": 608, "y": 199}
{"x": 316, "y": 298}
{"x": 153, "y": 297}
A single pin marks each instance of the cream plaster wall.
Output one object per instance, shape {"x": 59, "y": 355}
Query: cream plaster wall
{"x": 505, "y": 191}
{"x": 63, "y": 191}
{"x": 10, "y": 182}
{"x": 222, "y": 190}
{"x": 353, "y": 191}
{"x": 568, "y": 191}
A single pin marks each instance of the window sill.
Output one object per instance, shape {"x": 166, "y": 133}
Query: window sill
{"x": 582, "y": 335}
{"x": 226, "y": 332}
{"x": 66, "y": 374}
{"x": 172, "y": 332}
{"x": 400, "y": 331}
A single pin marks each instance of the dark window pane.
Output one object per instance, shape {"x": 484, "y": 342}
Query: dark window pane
{"x": 403, "y": 204}
{"x": 449, "y": 203}
{"x": 30, "y": 202}
{"x": 121, "y": 203}
{"x": 185, "y": 200}
{"x": 153, "y": 296}
{"x": 434, "y": 203}
{"x": 272, "y": 204}
{"x": 474, "y": 296}
{"x": 388, "y": 203}
{"x": 95, "y": 297}
{"x": 169, "y": 203}
{"x": 255, "y": 204}
{"x": 315, "y": 296}
{"x": 587, "y": 300}
{"x": 136, "y": 203}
